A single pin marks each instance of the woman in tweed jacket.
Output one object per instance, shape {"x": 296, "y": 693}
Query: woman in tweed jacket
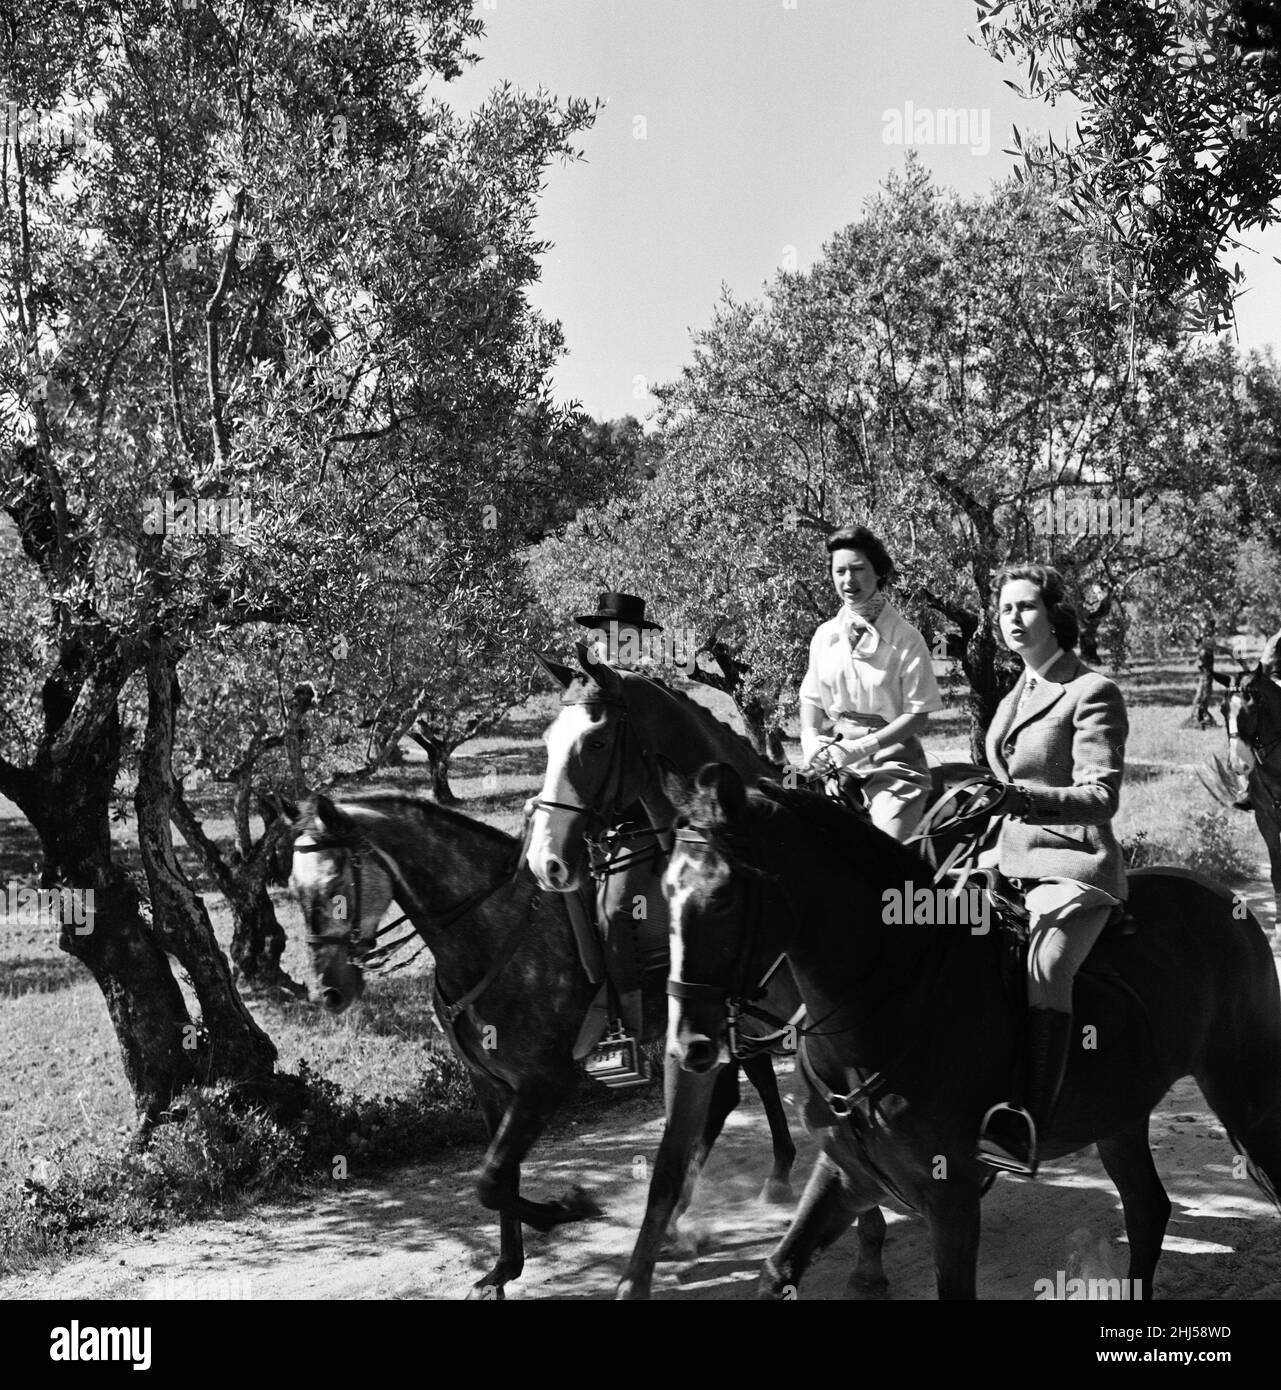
{"x": 1059, "y": 739}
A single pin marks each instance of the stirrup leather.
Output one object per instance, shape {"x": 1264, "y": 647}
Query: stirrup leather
{"x": 991, "y": 1152}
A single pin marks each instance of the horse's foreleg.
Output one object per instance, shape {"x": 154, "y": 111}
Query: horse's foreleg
{"x": 1127, "y": 1156}
{"x": 721, "y": 1104}
{"x": 828, "y": 1206}
{"x": 759, "y": 1070}
{"x": 869, "y": 1273}
{"x": 688, "y": 1101}
{"x": 511, "y": 1250}
{"x": 499, "y": 1184}
{"x": 954, "y": 1234}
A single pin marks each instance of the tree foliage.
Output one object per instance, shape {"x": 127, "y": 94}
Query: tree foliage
{"x": 1178, "y": 149}
{"x": 278, "y": 274}
{"x": 946, "y": 371}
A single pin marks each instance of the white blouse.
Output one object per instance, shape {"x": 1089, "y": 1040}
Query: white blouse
{"x": 892, "y": 675}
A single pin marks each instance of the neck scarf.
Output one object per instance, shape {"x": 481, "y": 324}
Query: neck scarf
{"x": 859, "y": 624}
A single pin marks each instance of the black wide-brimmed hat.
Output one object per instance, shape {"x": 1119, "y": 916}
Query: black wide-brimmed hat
{"x": 618, "y": 608}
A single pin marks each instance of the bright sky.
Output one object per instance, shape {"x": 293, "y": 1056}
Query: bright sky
{"x": 739, "y": 132}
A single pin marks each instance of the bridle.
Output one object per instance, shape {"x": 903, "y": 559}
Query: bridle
{"x": 367, "y": 955}
{"x": 602, "y": 814}
{"x": 738, "y": 1000}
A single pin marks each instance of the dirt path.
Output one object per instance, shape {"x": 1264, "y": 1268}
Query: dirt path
{"x": 420, "y": 1234}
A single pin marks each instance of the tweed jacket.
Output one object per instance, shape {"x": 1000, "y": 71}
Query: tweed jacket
{"x": 1066, "y": 749}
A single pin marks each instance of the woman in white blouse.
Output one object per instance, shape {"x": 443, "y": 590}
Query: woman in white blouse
{"x": 870, "y": 681}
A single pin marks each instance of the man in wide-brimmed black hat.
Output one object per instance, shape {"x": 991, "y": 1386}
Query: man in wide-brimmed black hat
{"x": 636, "y": 888}
{"x": 617, "y": 624}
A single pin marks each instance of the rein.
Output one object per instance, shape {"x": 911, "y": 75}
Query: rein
{"x": 737, "y": 1000}
{"x": 365, "y": 955}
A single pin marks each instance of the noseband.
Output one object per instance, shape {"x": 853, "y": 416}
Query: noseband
{"x": 355, "y": 848}
{"x": 364, "y": 954}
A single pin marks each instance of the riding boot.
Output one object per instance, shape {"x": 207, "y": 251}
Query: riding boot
{"x": 631, "y": 1012}
{"x": 1009, "y": 1136}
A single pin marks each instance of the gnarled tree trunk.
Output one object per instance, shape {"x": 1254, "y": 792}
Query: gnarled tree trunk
{"x": 231, "y": 1045}
{"x": 66, "y": 796}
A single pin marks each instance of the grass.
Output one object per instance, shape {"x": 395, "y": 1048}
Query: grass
{"x": 380, "y": 1068}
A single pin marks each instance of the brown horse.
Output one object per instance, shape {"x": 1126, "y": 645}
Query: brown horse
{"x": 914, "y": 1029}
{"x": 604, "y": 753}
{"x": 511, "y": 988}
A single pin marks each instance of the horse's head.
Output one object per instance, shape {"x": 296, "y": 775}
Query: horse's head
{"x": 715, "y": 899}
{"x": 343, "y": 888}
{"x": 595, "y": 769}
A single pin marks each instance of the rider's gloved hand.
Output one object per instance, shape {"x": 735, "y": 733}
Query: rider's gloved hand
{"x": 863, "y": 748}
{"x": 1013, "y": 801}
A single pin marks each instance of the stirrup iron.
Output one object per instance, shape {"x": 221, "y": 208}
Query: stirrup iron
{"x": 616, "y": 1060}
{"x": 992, "y": 1154}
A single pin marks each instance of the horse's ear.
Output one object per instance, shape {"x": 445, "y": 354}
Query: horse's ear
{"x": 273, "y": 806}
{"x": 328, "y": 814}
{"x": 598, "y": 669}
{"x": 724, "y": 784}
{"x": 562, "y": 675}
{"x": 677, "y": 788}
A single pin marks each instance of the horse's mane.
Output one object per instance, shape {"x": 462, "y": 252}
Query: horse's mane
{"x": 719, "y": 731}
{"x": 387, "y": 802}
{"x": 840, "y": 827}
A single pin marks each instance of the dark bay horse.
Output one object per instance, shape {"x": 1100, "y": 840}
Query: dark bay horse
{"x": 508, "y": 968}
{"x": 914, "y": 1029}
{"x": 604, "y": 752}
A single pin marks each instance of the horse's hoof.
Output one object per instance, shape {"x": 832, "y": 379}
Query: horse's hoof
{"x": 577, "y": 1205}
{"x": 631, "y": 1291}
{"x": 486, "y": 1293}
{"x": 777, "y": 1192}
{"x": 772, "y": 1287}
{"x": 685, "y": 1243}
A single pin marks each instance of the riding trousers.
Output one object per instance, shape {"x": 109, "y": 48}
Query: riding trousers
{"x": 1066, "y": 918}
{"x": 632, "y": 908}
{"x": 897, "y": 784}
